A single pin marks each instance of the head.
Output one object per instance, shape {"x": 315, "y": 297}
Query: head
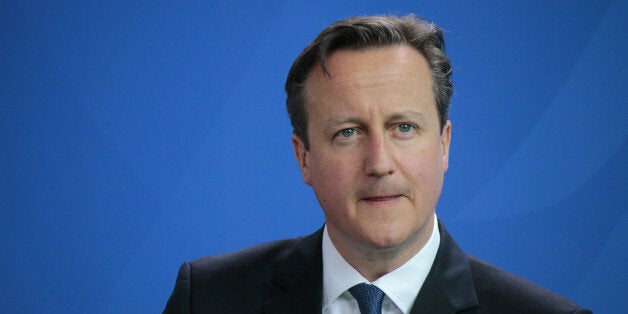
{"x": 359, "y": 33}
{"x": 368, "y": 101}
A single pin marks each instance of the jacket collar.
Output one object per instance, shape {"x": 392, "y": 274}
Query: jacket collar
{"x": 299, "y": 279}
{"x": 448, "y": 287}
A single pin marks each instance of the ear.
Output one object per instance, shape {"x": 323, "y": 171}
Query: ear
{"x": 301, "y": 154}
{"x": 445, "y": 140}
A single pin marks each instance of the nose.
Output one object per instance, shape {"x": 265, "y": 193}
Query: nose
{"x": 378, "y": 157}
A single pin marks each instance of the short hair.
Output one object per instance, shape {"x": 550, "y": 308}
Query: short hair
{"x": 359, "y": 33}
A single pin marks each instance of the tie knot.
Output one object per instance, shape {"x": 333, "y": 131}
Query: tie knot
{"x": 369, "y": 298}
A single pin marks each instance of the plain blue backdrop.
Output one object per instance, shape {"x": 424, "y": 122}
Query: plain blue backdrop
{"x": 138, "y": 134}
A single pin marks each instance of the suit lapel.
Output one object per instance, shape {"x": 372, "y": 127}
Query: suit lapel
{"x": 448, "y": 287}
{"x": 430, "y": 300}
{"x": 299, "y": 279}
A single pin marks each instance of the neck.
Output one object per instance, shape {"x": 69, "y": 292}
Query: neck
{"x": 374, "y": 265}
{"x": 373, "y": 262}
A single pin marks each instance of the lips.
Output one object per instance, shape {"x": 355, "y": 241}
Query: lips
{"x": 383, "y": 193}
{"x": 381, "y": 198}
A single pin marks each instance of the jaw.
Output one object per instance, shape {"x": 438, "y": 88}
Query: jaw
{"x": 383, "y": 226}
{"x": 382, "y": 251}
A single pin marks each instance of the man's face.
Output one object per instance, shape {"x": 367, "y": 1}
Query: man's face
{"x": 377, "y": 156}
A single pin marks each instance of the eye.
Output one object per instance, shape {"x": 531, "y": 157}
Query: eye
{"x": 346, "y": 136}
{"x": 405, "y": 127}
{"x": 346, "y": 132}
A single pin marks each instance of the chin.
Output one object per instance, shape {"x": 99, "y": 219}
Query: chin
{"x": 390, "y": 239}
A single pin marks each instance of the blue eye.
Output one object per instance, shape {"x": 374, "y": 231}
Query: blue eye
{"x": 347, "y": 132}
{"x": 405, "y": 127}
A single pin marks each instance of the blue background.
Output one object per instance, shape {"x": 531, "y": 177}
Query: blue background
{"x": 138, "y": 134}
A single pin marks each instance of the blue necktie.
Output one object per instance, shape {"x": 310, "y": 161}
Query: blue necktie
{"x": 369, "y": 298}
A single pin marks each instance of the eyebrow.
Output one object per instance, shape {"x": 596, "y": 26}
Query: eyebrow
{"x": 334, "y": 121}
{"x": 412, "y": 115}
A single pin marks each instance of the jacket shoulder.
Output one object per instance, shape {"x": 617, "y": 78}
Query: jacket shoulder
{"x": 249, "y": 269}
{"x": 237, "y": 282}
{"x": 247, "y": 260}
{"x": 501, "y": 291}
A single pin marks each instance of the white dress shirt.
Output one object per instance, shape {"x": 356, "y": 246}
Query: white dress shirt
{"x": 401, "y": 286}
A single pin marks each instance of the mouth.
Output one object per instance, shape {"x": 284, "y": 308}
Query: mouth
{"x": 381, "y": 199}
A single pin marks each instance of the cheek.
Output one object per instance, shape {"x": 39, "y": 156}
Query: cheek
{"x": 425, "y": 170}
{"x": 332, "y": 178}
{"x": 330, "y": 175}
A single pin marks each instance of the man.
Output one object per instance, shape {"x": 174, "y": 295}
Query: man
{"x": 368, "y": 100}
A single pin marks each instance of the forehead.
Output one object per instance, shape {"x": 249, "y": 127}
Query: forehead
{"x": 373, "y": 76}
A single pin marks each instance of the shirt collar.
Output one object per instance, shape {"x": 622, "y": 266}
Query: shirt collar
{"x": 402, "y": 285}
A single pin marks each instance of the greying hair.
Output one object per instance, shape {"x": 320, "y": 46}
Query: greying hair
{"x": 359, "y": 33}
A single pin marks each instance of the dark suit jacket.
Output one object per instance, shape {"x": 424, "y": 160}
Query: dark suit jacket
{"x": 286, "y": 277}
